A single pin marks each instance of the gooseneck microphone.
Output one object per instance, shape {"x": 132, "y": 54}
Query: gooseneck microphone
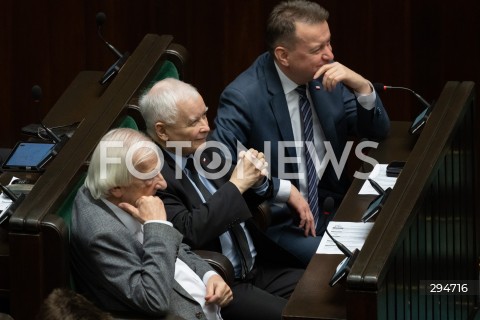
{"x": 122, "y": 58}
{"x": 101, "y": 18}
{"x": 346, "y": 264}
{"x": 9, "y": 194}
{"x": 381, "y": 87}
{"x": 328, "y": 207}
{"x": 16, "y": 200}
{"x": 37, "y": 95}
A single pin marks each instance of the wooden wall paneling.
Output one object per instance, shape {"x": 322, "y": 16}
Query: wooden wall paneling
{"x": 416, "y": 45}
{"x": 6, "y": 65}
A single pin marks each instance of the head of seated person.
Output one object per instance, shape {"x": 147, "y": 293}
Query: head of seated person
{"x": 66, "y": 304}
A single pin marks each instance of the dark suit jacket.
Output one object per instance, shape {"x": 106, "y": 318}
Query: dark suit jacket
{"x": 253, "y": 110}
{"x": 202, "y": 223}
{"x": 118, "y": 273}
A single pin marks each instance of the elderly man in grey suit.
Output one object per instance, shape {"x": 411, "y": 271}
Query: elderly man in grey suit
{"x": 125, "y": 255}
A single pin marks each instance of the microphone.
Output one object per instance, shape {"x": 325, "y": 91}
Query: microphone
{"x": 101, "y": 18}
{"x": 381, "y": 87}
{"x": 122, "y": 58}
{"x": 37, "y": 95}
{"x": 346, "y": 264}
{"x": 8, "y": 193}
{"x": 377, "y": 203}
{"x": 50, "y": 133}
{"x": 5, "y": 215}
{"x": 328, "y": 207}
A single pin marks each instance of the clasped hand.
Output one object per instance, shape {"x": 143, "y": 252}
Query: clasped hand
{"x": 250, "y": 170}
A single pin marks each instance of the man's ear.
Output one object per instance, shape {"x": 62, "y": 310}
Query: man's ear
{"x": 116, "y": 192}
{"x": 281, "y": 54}
{"x": 160, "y": 130}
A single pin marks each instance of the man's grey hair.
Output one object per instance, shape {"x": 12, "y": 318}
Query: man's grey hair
{"x": 160, "y": 103}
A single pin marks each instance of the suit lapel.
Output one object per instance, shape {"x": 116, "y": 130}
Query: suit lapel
{"x": 278, "y": 104}
{"x": 187, "y": 186}
{"x": 188, "y": 194}
{"x": 325, "y": 108}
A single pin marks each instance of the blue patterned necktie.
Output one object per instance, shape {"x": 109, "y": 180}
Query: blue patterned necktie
{"x": 312, "y": 178}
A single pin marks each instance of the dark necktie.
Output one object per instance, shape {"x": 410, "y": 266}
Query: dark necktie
{"x": 312, "y": 178}
{"x": 236, "y": 232}
{"x": 196, "y": 179}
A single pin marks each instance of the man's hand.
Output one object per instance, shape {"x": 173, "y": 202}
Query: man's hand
{"x": 301, "y": 207}
{"x": 250, "y": 170}
{"x": 335, "y": 72}
{"x": 218, "y": 291}
{"x": 146, "y": 208}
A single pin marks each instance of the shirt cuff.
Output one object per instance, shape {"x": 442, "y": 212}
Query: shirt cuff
{"x": 207, "y": 276}
{"x": 283, "y": 191}
{"x": 159, "y": 221}
{"x": 367, "y": 101}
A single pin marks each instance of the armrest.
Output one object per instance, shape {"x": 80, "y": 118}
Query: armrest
{"x": 262, "y": 215}
{"x": 220, "y": 263}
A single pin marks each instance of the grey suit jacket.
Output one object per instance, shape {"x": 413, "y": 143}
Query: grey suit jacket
{"x": 118, "y": 273}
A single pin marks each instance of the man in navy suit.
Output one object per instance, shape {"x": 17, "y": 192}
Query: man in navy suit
{"x": 260, "y": 109}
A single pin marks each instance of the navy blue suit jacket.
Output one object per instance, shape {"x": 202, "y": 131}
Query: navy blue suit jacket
{"x": 253, "y": 110}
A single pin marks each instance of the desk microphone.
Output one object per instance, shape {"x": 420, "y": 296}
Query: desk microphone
{"x": 381, "y": 87}
{"x": 328, "y": 207}
{"x": 5, "y": 215}
{"x": 344, "y": 267}
{"x": 7, "y": 192}
{"x": 122, "y": 58}
{"x": 37, "y": 95}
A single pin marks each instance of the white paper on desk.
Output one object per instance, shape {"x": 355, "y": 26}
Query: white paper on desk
{"x": 379, "y": 174}
{"x": 351, "y": 234}
{"x": 4, "y": 203}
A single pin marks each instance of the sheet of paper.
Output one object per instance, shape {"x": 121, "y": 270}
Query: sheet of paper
{"x": 4, "y": 203}
{"x": 350, "y": 234}
{"x": 379, "y": 174}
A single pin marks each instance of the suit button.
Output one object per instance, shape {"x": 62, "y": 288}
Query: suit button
{"x": 199, "y": 315}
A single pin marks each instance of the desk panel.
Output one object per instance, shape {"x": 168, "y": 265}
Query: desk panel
{"x": 313, "y": 298}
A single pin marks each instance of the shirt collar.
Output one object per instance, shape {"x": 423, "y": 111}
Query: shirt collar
{"x": 287, "y": 84}
{"x": 181, "y": 161}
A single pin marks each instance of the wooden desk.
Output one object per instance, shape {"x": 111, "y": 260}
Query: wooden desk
{"x": 313, "y": 298}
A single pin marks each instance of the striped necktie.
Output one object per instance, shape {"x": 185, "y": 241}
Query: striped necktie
{"x": 312, "y": 178}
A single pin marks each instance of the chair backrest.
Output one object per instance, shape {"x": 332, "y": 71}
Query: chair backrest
{"x": 65, "y": 209}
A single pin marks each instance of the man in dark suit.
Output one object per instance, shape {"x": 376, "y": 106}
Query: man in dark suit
{"x": 263, "y": 108}
{"x": 125, "y": 256}
{"x": 208, "y": 201}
